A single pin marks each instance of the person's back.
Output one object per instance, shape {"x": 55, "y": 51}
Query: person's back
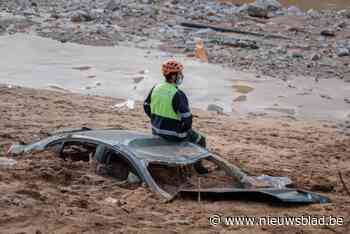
{"x": 169, "y": 112}
{"x": 167, "y": 107}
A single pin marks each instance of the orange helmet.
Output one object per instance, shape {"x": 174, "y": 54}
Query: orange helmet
{"x": 171, "y": 66}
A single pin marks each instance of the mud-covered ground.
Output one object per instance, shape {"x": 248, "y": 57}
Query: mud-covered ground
{"x": 43, "y": 194}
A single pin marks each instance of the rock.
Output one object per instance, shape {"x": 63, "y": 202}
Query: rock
{"x": 293, "y": 10}
{"x": 23, "y": 4}
{"x": 341, "y": 25}
{"x": 236, "y": 42}
{"x": 132, "y": 178}
{"x": 29, "y": 12}
{"x": 241, "y": 9}
{"x": 261, "y": 8}
{"x": 257, "y": 11}
{"x": 281, "y": 50}
{"x": 345, "y": 13}
{"x": 269, "y": 5}
{"x": 110, "y": 200}
{"x": 325, "y": 96}
{"x": 241, "y": 98}
{"x": 327, "y": 33}
{"x": 112, "y": 5}
{"x": 216, "y": 108}
{"x": 296, "y": 54}
{"x": 80, "y": 16}
{"x": 347, "y": 100}
{"x": 341, "y": 51}
{"x": 315, "y": 57}
{"x": 147, "y": 1}
{"x": 313, "y": 13}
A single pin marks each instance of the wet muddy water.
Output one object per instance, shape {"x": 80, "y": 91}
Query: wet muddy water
{"x": 125, "y": 72}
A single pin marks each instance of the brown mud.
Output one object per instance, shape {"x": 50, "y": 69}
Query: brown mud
{"x": 44, "y": 194}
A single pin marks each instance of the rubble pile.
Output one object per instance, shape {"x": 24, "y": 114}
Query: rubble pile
{"x": 310, "y": 43}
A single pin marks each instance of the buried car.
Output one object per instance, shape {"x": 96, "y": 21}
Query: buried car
{"x": 167, "y": 168}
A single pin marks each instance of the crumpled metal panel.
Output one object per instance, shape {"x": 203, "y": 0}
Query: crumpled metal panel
{"x": 149, "y": 148}
{"x": 161, "y": 151}
{"x": 287, "y": 195}
{"x": 141, "y": 149}
{"x": 145, "y": 147}
{"x": 112, "y": 137}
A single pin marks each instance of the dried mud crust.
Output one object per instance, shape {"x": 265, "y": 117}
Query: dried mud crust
{"x": 44, "y": 193}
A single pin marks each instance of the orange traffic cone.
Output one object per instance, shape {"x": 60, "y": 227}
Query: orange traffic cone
{"x": 200, "y": 51}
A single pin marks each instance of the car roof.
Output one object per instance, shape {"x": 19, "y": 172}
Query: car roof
{"x": 149, "y": 148}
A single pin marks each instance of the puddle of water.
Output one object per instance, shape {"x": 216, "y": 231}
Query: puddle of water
{"x": 244, "y": 89}
{"x": 301, "y": 97}
{"x": 120, "y": 72}
{"x": 305, "y": 4}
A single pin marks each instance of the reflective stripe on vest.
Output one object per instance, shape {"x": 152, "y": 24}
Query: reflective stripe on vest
{"x": 169, "y": 133}
{"x": 162, "y": 101}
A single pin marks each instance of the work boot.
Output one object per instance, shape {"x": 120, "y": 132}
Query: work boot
{"x": 200, "y": 169}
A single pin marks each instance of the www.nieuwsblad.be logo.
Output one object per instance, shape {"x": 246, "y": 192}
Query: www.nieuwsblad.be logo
{"x": 216, "y": 220}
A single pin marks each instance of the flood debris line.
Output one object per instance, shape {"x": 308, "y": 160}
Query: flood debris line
{"x": 264, "y": 25}
{"x": 232, "y": 30}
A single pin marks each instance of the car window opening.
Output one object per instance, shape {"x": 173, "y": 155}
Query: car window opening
{"x": 173, "y": 178}
{"x": 78, "y": 151}
{"x": 114, "y": 165}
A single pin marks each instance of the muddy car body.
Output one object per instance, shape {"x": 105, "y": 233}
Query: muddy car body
{"x": 139, "y": 152}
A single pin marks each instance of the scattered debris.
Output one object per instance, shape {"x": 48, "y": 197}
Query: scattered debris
{"x": 241, "y": 98}
{"x": 277, "y": 182}
{"x": 325, "y": 96}
{"x": 257, "y": 11}
{"x": 233, "y": 30}
{"x": 112, "y": 5}
{"x": 138, "y": 79}
{"x": 215, "y": 108}
{"x": 112, "y": 22}
{"x": 111, "y": 200}
{"x": 235, "y": 42}
{"x": 7, "y": 162}
{"x": 82, "y": 68}
{"x": 341, "y": 51}
{"x": 328, "y": 33}
{"x": 130, "y": 104}
{"x": 81, "y": 16}
{"x": 315, "y": 57}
